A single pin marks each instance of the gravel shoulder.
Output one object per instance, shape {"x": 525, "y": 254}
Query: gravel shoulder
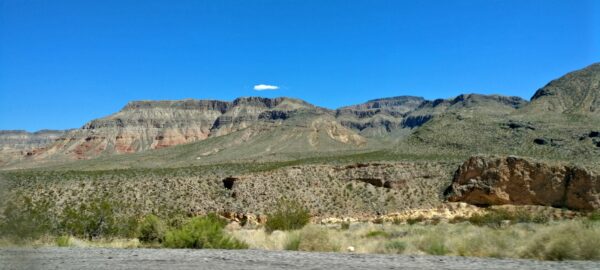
{"x": 101, "y": 258}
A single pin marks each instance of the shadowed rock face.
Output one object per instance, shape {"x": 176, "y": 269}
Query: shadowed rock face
{"x": 378, "y": 116}
{"x": 512, "y": 180}
{"x": 382, "y": 116}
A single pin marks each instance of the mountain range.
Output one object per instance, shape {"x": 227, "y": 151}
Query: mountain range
{"x": 561, "y": 121}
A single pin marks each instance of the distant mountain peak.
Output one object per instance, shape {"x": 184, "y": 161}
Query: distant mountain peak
{"x": 576, "y": 92}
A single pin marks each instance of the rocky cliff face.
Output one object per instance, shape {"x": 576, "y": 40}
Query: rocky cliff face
{"x": 16, "y": 144}
{"x": 379, "y": 116}
{"x": 23, "y": 140}
{"x": 512, "y": 180}
{"x": 144, "y": 125}
{"x": 384, "y": 116}
{"x": 577, "y": 92}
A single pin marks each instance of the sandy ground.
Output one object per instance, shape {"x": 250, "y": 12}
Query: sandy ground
{"x": 100, "y": 258}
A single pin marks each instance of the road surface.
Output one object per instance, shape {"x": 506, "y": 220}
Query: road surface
{"x": 148, "y": 259}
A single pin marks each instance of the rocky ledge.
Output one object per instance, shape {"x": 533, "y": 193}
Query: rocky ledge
{"x": 513, "y": 180}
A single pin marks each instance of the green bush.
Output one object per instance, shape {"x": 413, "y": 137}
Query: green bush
{"x": 202, "y": 232}
{"x": 594, "y": 216}
{"x": 152, "y": 229}
{"x": 63, "y": 241}
{"x": 372, "y": 234}
{"x": 91, "y": 220}
{"x": 26, "y": 219}
{"x": 395, "y": 246}
{"x": 293, "y": 242}
{"x": 433, "y": 244}
{"x": 345, "y": 226}
{"x": 494, "y": 218}
{"x": 288, "y": 215}
{"x": 412, "y": 221}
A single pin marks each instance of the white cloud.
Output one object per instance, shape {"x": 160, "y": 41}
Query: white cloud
{"x": 263, "y": 87}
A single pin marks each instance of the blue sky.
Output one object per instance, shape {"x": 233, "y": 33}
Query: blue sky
{"x": 63, "y": 63}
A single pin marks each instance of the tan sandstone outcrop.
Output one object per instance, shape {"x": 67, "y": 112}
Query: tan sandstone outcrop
{"x": 513, "y": 180}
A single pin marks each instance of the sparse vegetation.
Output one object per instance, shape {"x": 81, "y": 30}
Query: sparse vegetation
{"x": 496, "y": 217}
{"x": 311, "y": 238}
{"x": 395, "y": 246}
{"x": 416, "y": 220}
{"x": 433, "y": 243}
{"x": 377, "y": 233}
{"x": 556, "y": 240}
{"x": 568, "y": 241}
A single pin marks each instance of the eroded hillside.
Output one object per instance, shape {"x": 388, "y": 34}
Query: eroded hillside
{"x": 358, "y": 190}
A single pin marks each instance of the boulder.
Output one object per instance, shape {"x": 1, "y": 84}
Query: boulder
{"x": 513, "y": 180}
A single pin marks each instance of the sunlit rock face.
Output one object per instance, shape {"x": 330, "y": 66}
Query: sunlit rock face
{"x": 512, "y": 180}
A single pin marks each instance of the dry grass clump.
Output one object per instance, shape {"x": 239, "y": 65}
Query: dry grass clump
{"x": 261, "y": 239}
{"x": 312, "y": 238}
{"x": 555, "y": 240}
{"x": 574, "y": 240}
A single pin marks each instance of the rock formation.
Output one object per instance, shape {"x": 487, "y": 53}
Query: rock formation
{"x": 16, "y": 144}
{"x": 144, "y": 125}
{"x": 577, "y": 92}
{"x": 512, "y": 180}
{"x": 383, "y": 116}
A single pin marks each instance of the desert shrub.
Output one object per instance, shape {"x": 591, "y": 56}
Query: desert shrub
{"x": 26, "y": 219}
{"x": 458, "y": 219}
{"x": 494, "y": 218}
{"x": 293, "y": 242}
{"x": 176, "y": 220}
{"x": 594, "y": 216}
{"x": 372, "y": 234}
{"x": 395, "y": 246}
{"x": 412, "y": 221}
{"x": 312, "y": 238}
{"x": 91, "y": 220}
{"x": 345, "y": 225}
{"x": 397, "y": 221}
{"x": 202, "y": 232}
{"x": 63, "y": 241}
{"x": 288, "y": 215}
{"x": 152, "y": 229}
{"x": 433, "y": 244}
{"x": 128, "y": 226}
